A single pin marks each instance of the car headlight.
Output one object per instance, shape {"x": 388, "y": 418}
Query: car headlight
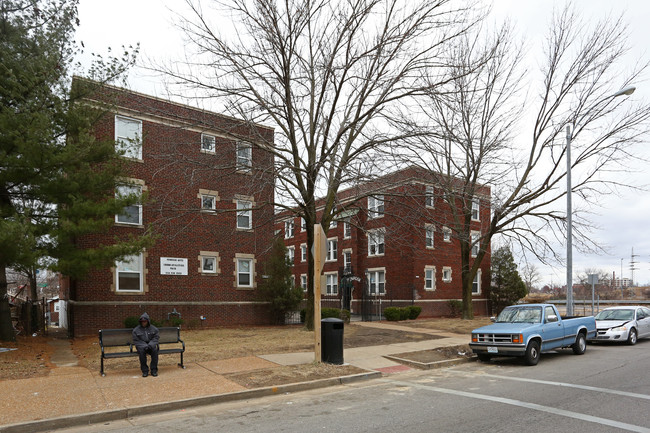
{"x": 620, "y": 329}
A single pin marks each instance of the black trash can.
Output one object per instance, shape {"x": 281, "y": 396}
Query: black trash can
{"x": 331, "y": 333}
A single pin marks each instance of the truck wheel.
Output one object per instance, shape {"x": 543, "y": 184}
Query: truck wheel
{"x": 532, "y": 353}
{"x": 632, "y": 337}
{"x": 484, "y": 357}
{"x": 580, "y": 346}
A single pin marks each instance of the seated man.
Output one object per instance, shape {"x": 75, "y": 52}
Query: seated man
{"x": 145, "y": 340}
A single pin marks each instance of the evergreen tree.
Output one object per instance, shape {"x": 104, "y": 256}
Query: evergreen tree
{"x": 277, "y": 286}
{"x": 507, "y": 286}
{"x": 56, "y": 180}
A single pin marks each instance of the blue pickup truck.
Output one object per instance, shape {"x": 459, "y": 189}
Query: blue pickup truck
{"x": 530, "y": 329}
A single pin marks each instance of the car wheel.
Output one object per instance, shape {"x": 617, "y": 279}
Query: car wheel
{"x": 632, "y": 337}
{"x": 580, "y": 346}
{"x": 532, "y": 353}
{"x": 484, "y": 357}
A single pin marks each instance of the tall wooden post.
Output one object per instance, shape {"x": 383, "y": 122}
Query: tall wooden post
{"x": 319, "y": 252}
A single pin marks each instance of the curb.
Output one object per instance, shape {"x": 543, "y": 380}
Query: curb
{"x": 120, "y": 414}
{"x": 431, "y": 365}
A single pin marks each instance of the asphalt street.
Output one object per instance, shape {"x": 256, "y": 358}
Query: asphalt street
{"x": 605, "y": 390}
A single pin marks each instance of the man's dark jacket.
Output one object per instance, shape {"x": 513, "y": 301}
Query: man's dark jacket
{"x": 145, "y": 336}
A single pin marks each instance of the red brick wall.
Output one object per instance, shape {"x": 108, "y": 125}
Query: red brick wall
{"x": 173, "y": 169}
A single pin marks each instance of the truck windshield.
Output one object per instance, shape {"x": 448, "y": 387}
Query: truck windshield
{"x": 520, "y": 315}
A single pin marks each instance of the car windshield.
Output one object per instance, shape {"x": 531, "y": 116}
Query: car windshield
{"x": 520, "y": 315}
{"x": 615, "y": 315}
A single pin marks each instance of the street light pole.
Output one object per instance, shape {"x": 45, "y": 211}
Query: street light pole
{"x": 569, "y": 219}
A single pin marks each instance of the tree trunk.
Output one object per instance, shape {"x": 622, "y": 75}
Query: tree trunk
{"x": 6, "y": 329}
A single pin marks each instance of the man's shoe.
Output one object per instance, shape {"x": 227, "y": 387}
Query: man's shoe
{"x": 154, "y": 374}
{"x": 145, "y": 374}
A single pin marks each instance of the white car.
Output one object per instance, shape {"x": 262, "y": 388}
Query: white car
{"x": 623, "y": 324}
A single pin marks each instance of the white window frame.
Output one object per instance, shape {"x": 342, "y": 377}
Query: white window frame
{"x": 291, "y": 254}
{"x": 289, "y": 229}
{"x": 376, "y": 207}
{"x": 374, "y": 238}
{"x": 446, "y": 274}
{"x": 347, "y": 229}
{"x": 476, "y": 209}
{"x": 208, "y": 257}
{"x": 127, "y": 266}
{"x": 377, "y": 285}
{"x": 211, "y": 140}
{"x": 429, "y": 233}
{"x": 303, "y": 282}
{"x": 446, "y": 234}
{"x": 429, "y": 196}
{"x": 213, "y": 206}
{"x": 331, "y": 283}
{"x": 244, "y": 155}
{"x": 132, "y": 146}
{"x": 347, "y": 260}
{"x": 303, "y": 252}
{"x": 332, "y": 250}
{"x": 124, "y": 191}
{"x": 303, "y": 225}
{"x": 245, "y": 209}
{"x": 477, "y": 283}
{"x": 475, "y": 238}
{"x": 251, "y": 272}
{"x": 430, "y": 278}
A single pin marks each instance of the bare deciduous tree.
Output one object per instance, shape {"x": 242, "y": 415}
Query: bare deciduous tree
{"x": 332, "y": 78}
{"x": 476, "y": 140}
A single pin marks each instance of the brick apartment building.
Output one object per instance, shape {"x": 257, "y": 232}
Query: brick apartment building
{"x": 391, "y": 244}
{"x": 208, "y": 200}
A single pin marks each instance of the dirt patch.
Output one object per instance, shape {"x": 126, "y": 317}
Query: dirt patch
{"x": 456, "y": 326}
{"x": 30, "y": 359}
{"x": 291, "y": 374}
{"x": 439, "y": 354}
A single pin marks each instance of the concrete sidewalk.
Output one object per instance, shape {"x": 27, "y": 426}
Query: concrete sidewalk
{"x": 71, "y": 395}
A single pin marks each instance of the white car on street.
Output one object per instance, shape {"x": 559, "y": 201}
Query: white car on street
{"x": 626, "y": 324}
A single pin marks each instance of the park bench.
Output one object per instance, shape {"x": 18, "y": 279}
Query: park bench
{"x": 124, "y": 338}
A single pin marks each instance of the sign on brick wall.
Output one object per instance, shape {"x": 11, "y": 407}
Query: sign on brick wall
{"x": 173, "y": 266}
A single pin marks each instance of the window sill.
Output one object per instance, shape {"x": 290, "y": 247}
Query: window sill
{"x": 241, "y": 229}
{"x": 375, "y": 255}
{"x": 129, "y": 292}
{"x": 134, "y": 226}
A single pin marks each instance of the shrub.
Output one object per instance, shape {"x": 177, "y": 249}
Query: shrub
{"x": 455, "y": 307}
{"x": 131, "y": 322}
{"x": 174, "y": 321}
{"x": 392, "y": 314}
{"x": 345, "y": 316}
{"x": 326, "y": 313}
{"x": 414, "y": 312}
{"x": 404, "y": 313}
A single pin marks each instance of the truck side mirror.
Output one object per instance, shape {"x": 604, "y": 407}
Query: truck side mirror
{"x": 551, "y": 318}
{"x": 493, "y": 319}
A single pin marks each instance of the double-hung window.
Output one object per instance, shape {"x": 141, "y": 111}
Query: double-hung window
{"x": 332, "y": 245}
{"x": 429, "y": 278}
{"x": 475, "y": 243}
{"x": 347, "y": 230}
{"x": 303, "y": 252}
{"x": 303, "y": 282}
{"x": 129, "y": 274}
{"x": 208, "y": 143}
{"x": 332, "y": 284}
{"x": 375, "y": 206}
{"x": 303, "y": 224}
{"x": 288, "y": 229}
{"x": 291, "y": 254}
{"x": 476, "y": 207}
{"x": 128, "y": 137}
{"x": 244, "y": 214}
{"x": 428, "y": 196}
{"x": 429, "y": 232}
{"x": 244, "y": 272}
{"x": 347, "y": 262}
{"x": 131, "y": 214}
{"x": 244, "y": 156}
{"x": 476, "y": 284}
{"x": 377, "y": 282}
{"x": 375, "y": 242}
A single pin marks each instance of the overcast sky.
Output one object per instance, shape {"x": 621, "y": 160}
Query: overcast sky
{"x": 623, "y": 221}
